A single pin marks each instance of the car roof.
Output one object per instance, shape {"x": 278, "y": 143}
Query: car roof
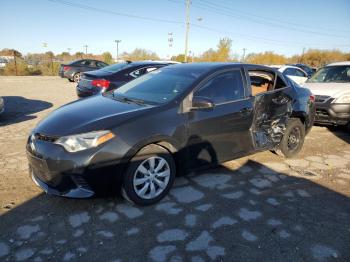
{"x": 149, "y": 62}
{"x": 213, "y": 66}
{"x": 339, "y": 63}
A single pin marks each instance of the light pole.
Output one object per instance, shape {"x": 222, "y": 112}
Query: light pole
{"x": 243, "y": 58}
{"x": 188, "y": 3}
{"x": 117, "y": 41}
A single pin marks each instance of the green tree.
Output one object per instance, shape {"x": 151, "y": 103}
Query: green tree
{"x": 107, "y": 57}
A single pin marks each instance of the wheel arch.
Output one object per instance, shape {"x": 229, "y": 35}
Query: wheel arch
{"x": 167, "y": 143}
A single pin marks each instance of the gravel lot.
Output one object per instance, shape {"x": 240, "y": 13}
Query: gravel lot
{"x": 257, "y": 208}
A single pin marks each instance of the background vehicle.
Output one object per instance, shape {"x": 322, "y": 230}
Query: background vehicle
{"x": 164, "y": 123}
{"x": 2, "y": 105}
{"x": 293, "y": 72}
{"x": 308, "y": 70}
{"x": 331, "y": 86}
{"x": 73, "y": 70}
{"x": 113, "y": 76}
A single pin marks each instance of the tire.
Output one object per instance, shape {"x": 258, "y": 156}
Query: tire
{"x": 293, "y": 139}
{"x": 76, "y": 77}
{"x": 70, "y": 80}
{"x": 145, "y": 185}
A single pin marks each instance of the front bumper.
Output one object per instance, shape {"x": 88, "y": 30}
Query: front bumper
{"x": 80, "y": 191}
{"x": 77, "y": 175}
{"x": 332, "y": 113}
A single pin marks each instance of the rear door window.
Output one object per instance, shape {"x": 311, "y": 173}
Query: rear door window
{"x": 263, "y": 81}
{"x": 225, "y": 87}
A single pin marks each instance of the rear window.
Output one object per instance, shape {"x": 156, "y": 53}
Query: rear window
{"x": 116, "y": 67}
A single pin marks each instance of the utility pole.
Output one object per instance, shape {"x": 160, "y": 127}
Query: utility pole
{"x": 117, "y": 41}
{"x": 188, "y": 3}
{"x": 86, "y": 46}
{"x": 170, "y": 43}
{"x": 69, "y": 49}
{"x": 243, "y": 58}
{"x": 14, "y": 58}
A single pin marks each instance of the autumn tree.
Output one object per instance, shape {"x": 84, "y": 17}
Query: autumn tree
{"x": 266, "y": 58}
{"x": 140, "y": 54}
{"x": 221, "y": 54}
{"x": 178, "y": 58}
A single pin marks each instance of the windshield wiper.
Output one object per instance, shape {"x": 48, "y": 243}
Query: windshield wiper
{"x": 129, "y": 100}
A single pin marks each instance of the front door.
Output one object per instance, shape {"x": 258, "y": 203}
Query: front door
{"x": 220, "y": 133}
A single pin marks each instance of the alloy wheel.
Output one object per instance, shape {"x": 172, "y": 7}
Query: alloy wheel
{"x": 151, "y": 177}
{"x": 294, "y": 138}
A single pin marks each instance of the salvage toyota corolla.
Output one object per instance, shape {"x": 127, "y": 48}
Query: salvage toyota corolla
{"x": 136, "y": 139}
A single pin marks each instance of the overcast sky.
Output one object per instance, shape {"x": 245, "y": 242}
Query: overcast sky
{"x": 285, "y": 27}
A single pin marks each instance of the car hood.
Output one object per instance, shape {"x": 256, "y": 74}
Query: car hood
{"x": 91, "y": 114}
{"x": 328, "y": 89}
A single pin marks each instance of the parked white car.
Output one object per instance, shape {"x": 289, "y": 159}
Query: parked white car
{"x": 295, "y": 73}
{"x": 331, "y": 87}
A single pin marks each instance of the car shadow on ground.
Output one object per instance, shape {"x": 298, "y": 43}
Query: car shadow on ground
{"x": 19, "y": 109}
{"x": 247, "y": 214}
{"x": 341, "y": 132}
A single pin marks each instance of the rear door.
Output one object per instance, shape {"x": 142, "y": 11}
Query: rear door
{"x": 222, "y": 132}
{"x": 272, "y": 107}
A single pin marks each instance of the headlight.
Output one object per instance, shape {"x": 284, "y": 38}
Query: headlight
{"x": 343, "y": 99}
{"x": 80, "y": 142}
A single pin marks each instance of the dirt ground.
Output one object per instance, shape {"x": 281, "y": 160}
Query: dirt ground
{"x": 260, "y": 207}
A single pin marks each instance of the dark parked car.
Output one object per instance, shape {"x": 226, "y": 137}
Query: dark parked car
{"x": 2, "y": 105}
{"x": 113, "y": 76}
{"x": 73, "y": 70}
{"x": 309, "y": 70}
{"x": 162, "y": 124}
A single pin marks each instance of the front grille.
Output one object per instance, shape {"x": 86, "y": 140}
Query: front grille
{"x": 321, "y": 99}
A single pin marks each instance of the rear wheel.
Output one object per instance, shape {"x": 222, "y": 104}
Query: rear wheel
{"x": 149, "y": 176}
{"x": 76, "y": 77}
{"x": 293, "y": 139}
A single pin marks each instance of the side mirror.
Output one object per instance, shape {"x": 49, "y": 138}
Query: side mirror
{"x": 199, "y": 103}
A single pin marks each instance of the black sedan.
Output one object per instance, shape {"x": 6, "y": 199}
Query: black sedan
{"x": 175, "y": 119}
{"x": 2, "y": 105}
{"x": 73, "y": 70}
{"x": 113, "y": 76}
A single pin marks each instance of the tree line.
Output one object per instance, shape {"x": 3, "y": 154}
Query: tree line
{"x": 48, "y": 63}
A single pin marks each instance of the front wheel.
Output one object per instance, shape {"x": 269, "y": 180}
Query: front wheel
{"x": 149, "y": 176}
{"x": 293, "y": 139}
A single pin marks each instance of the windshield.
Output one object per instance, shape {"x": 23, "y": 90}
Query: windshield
{"x": 116, "y": 67}
{"x": 331, "y": 74}
{"x": 159, "y": 86}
